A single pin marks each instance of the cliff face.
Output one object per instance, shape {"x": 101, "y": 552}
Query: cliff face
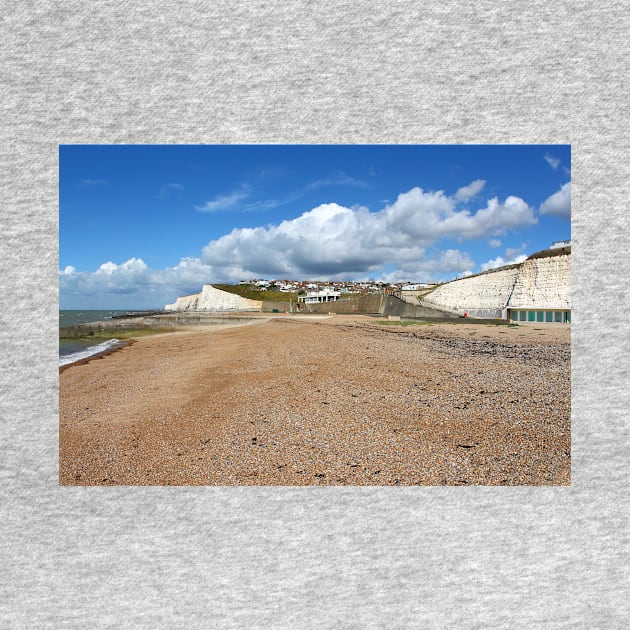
{"x": 543, "y": 283}
{"x": 214, "y": 300}
{"x": 486, "y": 291}
{"x": 186, "y": 303}
{"x": 538, "y": 283}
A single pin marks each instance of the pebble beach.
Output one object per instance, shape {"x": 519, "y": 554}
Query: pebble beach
{"x": 340, "y": 400}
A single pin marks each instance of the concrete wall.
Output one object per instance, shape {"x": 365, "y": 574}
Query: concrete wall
{"x": 372, "y": 303}
{"x": 398, "y": 307}
{"x": 214, "y": 300}
{"x": 376, "y": 304}
{"x": 281, "y": 307}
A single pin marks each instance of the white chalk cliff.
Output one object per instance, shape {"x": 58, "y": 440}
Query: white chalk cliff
{"x": 485, "y": 291}
{"x": 543, "y": 283}
{"x": 214, "y": 300}
{"x": 538, "y": 283}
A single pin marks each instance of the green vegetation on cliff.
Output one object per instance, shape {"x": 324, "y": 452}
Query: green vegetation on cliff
{"x": 251, "y": 293}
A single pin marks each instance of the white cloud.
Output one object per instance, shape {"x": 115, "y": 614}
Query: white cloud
{"x": 558, "y": 204}
{"x": 552, "y": 161}
{"x": 328, "y": 242}
{"x": 132, "y": 267}
{"x": 224, "y": 202}
{"x": 499, "y": 261}
{"x": 107, "y": 268}
{"x": 451, "y": 261}
{"x": 512, "y": 253}
{"x": 247, "y": 192}
{"x": 494, "y": 242}
{"x": 337, "y": 179}
{"x": 331, "y": 240}
{"x": 466, "y": 192}
{"x": 131, "y": 284}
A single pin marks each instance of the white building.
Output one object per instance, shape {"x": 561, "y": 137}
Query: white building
{"x": 557, "y": 244}
{"x": 315, "y": 297}
{"x": 417, "y": 287}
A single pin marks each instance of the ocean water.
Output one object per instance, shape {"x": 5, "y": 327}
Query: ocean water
{"x": 72, "y": 350}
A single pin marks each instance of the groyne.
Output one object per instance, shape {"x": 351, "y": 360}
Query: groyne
{"x": 166, "y": 321}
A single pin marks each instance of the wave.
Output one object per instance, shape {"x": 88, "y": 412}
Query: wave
{"x": 90, "y": 351}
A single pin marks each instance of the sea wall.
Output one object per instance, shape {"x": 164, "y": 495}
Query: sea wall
{"x": 214, "y": 300}
{"x": 376, "y": 304}
{"x": 366, "y": 304}
{"x": 401, "y": 308}
{"x": 270, "y": 306}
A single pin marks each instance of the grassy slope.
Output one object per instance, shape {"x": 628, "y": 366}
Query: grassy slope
{"x": 246, "y": 291}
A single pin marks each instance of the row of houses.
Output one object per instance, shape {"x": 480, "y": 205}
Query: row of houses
{"x": 343, "y": 287}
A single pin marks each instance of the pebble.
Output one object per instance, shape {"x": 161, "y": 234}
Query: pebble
{"x": 343, "y": 401}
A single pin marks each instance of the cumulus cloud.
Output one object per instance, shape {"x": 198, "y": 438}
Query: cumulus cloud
{"x": 499, "y": 261}
{"x": 131, "y": 284}
{"x": 426, "y": 269}
{"x": 494, "y": 242}
{"x": 331, "y": 240}
{"x": 512, "y": 253}
{"x": 558, "y": 204}
{"x": 466, "y": 192}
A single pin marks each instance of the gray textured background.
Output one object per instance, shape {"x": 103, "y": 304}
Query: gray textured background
{"x": 327, "y": 72}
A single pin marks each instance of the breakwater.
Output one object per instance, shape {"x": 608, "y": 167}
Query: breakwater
{"x": 167, "y": 321}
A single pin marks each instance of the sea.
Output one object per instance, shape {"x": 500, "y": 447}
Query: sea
{"x": 72, "y": 350}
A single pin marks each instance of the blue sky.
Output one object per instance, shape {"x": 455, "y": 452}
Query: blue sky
{"x": 140, "y": 225}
